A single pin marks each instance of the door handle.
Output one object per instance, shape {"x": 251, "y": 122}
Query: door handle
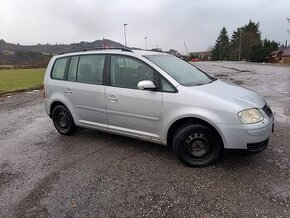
{"x": 68, "y": 91}
{"x": 112, "y": 98}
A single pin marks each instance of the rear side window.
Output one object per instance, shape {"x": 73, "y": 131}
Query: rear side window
{"x": 90, "y": 69}
{"x": 58, "y": 71}
{"x": 72, "y": 70}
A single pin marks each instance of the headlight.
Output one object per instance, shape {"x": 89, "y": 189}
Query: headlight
{"x": 252, "y": 115}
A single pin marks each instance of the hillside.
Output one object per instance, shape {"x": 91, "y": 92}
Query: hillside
{"x": 38, "y": 55}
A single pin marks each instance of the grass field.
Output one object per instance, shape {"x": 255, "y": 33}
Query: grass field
{"x": 20, "y": 79}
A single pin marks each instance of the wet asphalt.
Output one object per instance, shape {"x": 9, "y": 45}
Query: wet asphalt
{"x": 94, "y": 174}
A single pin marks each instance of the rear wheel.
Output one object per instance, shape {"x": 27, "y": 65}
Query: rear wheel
{"x": 196, "y": 145}
{"x": 63, "y": 120}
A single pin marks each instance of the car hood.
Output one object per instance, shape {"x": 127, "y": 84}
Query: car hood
{"x": 243, "y": 97}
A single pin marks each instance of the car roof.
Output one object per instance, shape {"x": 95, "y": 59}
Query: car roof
{"x": 147, "y": 52}
{"x": 137, "y": 52}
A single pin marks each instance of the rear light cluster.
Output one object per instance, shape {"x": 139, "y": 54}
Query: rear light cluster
{"x": 44, "y": 93}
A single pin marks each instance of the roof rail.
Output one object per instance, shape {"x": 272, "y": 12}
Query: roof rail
{"x": 98, "y": 48}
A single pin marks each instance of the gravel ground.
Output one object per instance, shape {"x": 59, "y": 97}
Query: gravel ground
{"x": 94, "y": 174}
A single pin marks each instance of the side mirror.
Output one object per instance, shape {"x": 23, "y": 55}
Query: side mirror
{"x": 146, "y": 85}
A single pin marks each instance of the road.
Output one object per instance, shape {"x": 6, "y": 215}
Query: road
{"x": 94, "y": 174}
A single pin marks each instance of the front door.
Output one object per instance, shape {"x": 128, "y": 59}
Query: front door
{"x": 129, "y": 110}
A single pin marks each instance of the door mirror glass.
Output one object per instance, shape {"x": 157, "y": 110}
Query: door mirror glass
{"x": 146, "y": 85}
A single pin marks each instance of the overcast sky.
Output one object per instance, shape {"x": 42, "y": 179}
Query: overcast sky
{"x": 167, "y": 23}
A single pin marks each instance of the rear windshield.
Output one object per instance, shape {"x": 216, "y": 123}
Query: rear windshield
{"x": 183, "y": 72}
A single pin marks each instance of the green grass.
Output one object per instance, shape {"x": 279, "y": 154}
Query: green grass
{"x": 20, "y": 79}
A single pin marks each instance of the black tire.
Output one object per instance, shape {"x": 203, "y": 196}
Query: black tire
{"x": 63, "y": 120}
{"x": 196, "y": 145}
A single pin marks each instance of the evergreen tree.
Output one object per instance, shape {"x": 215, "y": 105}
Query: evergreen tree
{"x": 243, "y": 40}
{"x": 245, "y": 44}
{"x": 221, "y": 48}
{"x": 261, "y": 52}
{"x": 234, "y": 49}
{"x": 270, "y": 46}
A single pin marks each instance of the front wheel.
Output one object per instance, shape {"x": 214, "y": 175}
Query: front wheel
{"x": 196, "y": 145}
{"x": 63, "y": 120}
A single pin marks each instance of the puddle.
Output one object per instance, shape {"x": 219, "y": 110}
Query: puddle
{"x": 238, "y": 82}
{"x": 221, "y": 75}
{"x": 281, "y": 114}
{"x": 238, "y": 70}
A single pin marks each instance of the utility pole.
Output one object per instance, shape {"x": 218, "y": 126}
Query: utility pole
{"x": 220, "y": 51}
{"x": 288, "y": 19}
{"x": 30, "y": 59}
{"x": 240, "y": 45}
{"x": 125, "y": 34}
{"x": 145, "y": 42}
{"x": 186, "y": 49}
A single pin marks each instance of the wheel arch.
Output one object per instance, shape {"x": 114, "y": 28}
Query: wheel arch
{"x": 54, "y": 104}
{"x": 57, "y": 102}
{"x": 189, "y": 120}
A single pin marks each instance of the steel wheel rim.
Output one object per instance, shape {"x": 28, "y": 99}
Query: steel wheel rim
{"x": 197, "y": 145}
{"x": 63, "y": 120}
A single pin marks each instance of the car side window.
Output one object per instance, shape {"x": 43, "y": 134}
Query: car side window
{"x": 58, "y": 71}
{"x": 72, "y": 70}
{"x": 90, "y": 69}
{"x": 166, "y": 87}
{"x": 126, "y": 72}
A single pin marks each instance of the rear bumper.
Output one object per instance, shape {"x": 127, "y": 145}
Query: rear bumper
{"x": 47, "y": 106}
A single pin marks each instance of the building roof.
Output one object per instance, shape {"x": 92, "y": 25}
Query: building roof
{"x": 277, "y": 51}
{"x": 286, "y": 51}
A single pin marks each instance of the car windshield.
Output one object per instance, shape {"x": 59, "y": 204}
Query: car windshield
{"x": 183, "y": 72}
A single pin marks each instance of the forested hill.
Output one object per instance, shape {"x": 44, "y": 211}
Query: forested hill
{"x": 16, "y": 55}
{"x": 56, "y": 48}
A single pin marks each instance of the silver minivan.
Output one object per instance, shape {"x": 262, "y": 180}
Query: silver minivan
{"x": 156, "y": 97}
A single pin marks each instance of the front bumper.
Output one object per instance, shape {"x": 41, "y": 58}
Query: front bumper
{"x": 257, "y": 147}
{"x": 252, "y": 137}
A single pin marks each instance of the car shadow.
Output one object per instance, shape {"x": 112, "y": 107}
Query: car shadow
{"x": 91, "y": 137}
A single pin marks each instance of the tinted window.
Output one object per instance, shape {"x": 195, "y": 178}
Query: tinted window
{"x": 126, "y": 72}
{"x": 72, "y": 70}
{"x": 90, "y": 69}
{"x": 183, "y": 72}
{"x": 58, "y": 71}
